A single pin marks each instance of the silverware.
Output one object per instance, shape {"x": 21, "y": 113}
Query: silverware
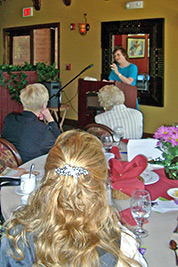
{"x": 31, "y": 170}
{"x": 173, "y": 246}
{"x": 176, "y": 229}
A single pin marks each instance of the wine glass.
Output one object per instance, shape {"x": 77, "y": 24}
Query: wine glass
{"x": 140, "y": 206}
{"x": 118, "y": 134}
{"x": 107, "y": 141}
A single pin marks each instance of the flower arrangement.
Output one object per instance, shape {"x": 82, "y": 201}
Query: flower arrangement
{"x": 168, "y": 144}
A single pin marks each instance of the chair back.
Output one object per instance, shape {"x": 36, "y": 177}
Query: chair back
{"x": 98, "y": 129}
{"x": 9, "y": 156}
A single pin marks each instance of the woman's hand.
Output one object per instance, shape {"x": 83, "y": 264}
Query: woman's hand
{"x": 46, "y": 115}
{"x": 114, "y": 68}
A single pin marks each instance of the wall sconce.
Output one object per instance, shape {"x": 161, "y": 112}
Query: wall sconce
{"x": 67, "y": 2}
{"x": 84, "y": 27}
{"x": 37, "y": 4}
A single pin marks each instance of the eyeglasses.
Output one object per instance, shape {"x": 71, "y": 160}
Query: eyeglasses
{"x": 117, "y": 55}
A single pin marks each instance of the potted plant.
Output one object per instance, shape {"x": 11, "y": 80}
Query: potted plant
{"x": 17, "y": 77}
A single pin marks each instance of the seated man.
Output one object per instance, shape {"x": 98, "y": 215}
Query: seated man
{"x": 112, "y": 99}
{"x": 31, "y": 137}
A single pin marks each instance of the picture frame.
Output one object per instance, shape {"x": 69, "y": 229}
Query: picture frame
{"x": 148, "y": 47}
{"x": 136, "y": 47}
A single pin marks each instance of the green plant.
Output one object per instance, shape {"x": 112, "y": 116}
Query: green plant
{"x": 17, "y": 81}
{"x": 47, "y": 73}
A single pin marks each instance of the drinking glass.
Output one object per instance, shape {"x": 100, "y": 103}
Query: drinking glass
{"x": 118, "y": 134}
{"x": 140, "y": 206}
{"x": 107, "y": 141}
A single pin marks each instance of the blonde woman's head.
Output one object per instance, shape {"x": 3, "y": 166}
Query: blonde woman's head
{"x": 78, "y": 149}
{"x": 110, "y": 95}
{"x": 34, "y": 96}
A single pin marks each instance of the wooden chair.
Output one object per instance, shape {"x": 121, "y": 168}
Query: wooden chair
{"x": 9, "y": 156}
{"x": 98, "y": 129}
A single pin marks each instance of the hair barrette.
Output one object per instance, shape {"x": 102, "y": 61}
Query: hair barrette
{"x": 68, "y": 170}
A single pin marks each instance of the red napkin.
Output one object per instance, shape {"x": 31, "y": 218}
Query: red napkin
{"x": 127, "y": 219}
{"x": 115, "y": 151}
{"x": 125, "y": 140}
{"x": 124, "y": 174}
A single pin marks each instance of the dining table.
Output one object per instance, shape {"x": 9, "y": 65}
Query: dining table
{"x": 160, "y": 226}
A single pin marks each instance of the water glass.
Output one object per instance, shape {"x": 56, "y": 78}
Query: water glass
{"x": 140, "y": 206}
{"x": 107, "y": 142}
{"x": 118, "y": 134}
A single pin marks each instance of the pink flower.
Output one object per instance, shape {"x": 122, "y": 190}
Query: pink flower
{"x": 167, "y": 143}
{"x": 161, "y": 132}
{"x": 174, "y": 139}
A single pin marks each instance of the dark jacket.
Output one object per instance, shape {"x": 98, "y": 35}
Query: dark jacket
{"x": 31, "y": 137}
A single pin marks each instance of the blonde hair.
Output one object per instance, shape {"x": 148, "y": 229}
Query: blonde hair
{"x": 110, "y": 95}
{"x": 34, "y": 96}
{"x": 70, "y": 219}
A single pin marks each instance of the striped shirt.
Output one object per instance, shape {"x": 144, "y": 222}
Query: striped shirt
{"x": 120, "y": 115}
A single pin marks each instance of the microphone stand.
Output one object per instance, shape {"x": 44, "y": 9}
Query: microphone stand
{"x": 58, "y": 93}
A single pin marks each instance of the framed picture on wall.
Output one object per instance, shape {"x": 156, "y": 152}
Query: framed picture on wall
{"x": 136, "y": 47}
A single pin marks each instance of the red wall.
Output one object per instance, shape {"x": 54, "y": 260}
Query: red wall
{"x": 141, "y": 63}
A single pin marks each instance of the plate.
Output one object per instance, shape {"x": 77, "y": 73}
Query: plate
{"x": 150, "y": 177}
{"x": 171, "y": 192}
{"x": 19, "y": 192}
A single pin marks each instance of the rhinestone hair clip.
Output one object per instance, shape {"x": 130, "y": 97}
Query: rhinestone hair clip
{"x": 68, "y": 170}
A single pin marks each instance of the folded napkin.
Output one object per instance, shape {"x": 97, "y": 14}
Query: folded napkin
{"x": 115, "y": 151}
{"x": 124, "y": 174}
{"x": 126, "y": 217}
{"x": 163, "y": 205}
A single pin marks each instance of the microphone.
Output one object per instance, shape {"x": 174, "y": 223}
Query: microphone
{"x": 88, "y": 67}
{"x": 57, "y": 94}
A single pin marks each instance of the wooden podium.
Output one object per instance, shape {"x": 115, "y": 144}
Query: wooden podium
{"x": 86, "y": 115}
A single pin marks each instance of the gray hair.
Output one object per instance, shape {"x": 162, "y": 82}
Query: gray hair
{"x": 34, "y": 96}
{"x": 110, "y": 95}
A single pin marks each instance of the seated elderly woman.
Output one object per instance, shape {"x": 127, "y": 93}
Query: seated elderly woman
{"x": 112, "y": 99}
{"x": 30, "y": 136}
{"x": 67, "y": 220}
